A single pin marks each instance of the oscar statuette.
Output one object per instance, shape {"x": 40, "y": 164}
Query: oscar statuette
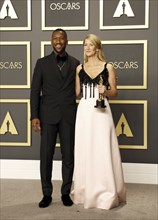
{"x": 100, "y": 101}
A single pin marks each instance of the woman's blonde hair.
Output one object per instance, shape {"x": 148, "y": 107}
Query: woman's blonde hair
{"x": 97, "y": 43}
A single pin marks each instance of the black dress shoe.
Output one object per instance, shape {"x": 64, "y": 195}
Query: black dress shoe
{"x": 45, "y": 202}
{"x": 66, "y": 200}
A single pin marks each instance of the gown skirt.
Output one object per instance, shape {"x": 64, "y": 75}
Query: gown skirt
{"x": 98, "y": 176}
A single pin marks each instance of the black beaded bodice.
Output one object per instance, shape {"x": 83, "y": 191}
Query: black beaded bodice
{"x": 90, "y": 84}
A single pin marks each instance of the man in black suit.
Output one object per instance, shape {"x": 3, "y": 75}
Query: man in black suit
{"x": 53, "y": 111}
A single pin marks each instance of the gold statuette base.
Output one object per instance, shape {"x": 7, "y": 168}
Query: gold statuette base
{"x": 100, "y": 104}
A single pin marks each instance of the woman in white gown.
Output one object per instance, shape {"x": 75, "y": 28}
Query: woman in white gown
{"x": 98, "y": 176}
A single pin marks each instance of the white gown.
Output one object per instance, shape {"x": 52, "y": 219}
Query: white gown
{"x": 98, "y": 175}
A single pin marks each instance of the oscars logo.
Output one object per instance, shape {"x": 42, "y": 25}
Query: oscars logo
{"x": 123, "y": 9}
{"x": 8, "y": 126}
{"x": 8, "y": 10}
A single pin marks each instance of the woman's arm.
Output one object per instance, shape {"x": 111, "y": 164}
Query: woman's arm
{"x": 112, "y": 91}
{"x": 78, "y": 87}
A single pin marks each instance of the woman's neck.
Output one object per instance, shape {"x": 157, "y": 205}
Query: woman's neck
{"x": 93, "y": 61}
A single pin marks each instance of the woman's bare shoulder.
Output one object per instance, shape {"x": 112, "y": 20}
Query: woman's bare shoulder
{"x": 79, "y": 67}
{"x": 109, "y": 66}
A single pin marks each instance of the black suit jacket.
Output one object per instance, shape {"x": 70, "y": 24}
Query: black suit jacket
{"x": 52, "y": 96}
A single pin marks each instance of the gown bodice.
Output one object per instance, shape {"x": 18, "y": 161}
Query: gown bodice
{"x": 89, "y": 85}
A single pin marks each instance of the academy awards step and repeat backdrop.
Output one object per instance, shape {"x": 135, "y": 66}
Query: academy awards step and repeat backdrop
{"x": 128, "y": 37}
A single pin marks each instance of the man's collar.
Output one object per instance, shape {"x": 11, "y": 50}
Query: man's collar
{"x": 64, "y": 54}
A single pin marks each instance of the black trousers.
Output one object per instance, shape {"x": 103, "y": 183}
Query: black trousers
{"x": 48, "y": 141}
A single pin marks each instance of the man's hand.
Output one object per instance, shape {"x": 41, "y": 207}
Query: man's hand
{"x": 36, "y": 124}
